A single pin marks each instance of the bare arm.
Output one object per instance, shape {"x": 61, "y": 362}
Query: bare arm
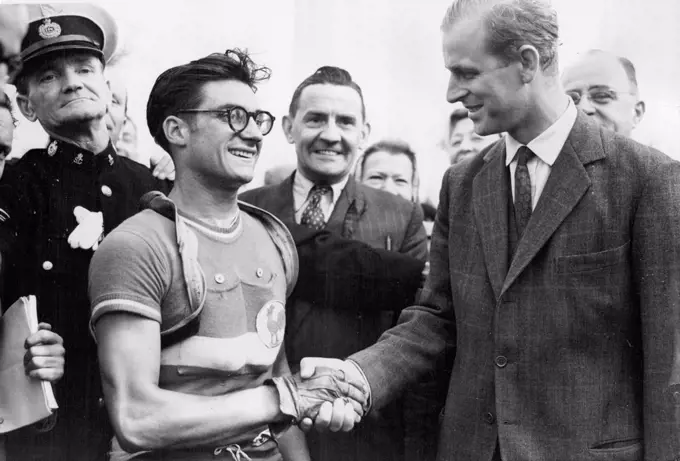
{"x": 146, "y": 417}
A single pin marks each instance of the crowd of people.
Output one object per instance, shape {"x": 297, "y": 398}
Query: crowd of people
{"x": 532, "y": 312}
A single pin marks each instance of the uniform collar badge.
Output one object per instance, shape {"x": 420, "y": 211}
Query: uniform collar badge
{"x": 49, "y": 29}
{"x": 78, "y": 160}
{"x": 110, "y": 160}
{"x": 52, "y": 148}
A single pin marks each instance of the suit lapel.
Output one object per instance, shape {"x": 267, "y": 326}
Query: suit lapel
{"x": 281, "y": 202}
{"x": 348, "y": 209}
{"x": 567, "y": 183}
{"x": 490, "y": 191}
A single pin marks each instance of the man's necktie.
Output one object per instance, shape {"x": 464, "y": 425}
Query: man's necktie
{"x": 313, "y": 216}
{"x": 522, "y": 189}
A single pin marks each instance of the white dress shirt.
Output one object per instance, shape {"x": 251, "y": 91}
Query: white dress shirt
{"x": 303, "y": 186}
{"x": 546, "y": 147}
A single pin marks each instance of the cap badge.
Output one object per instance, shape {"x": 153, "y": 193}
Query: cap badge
{"x": 49, "y": 29}
{"x": 78, "y": 160}
{"x": 110, "y": 160}
{"x": 52, "y": 148}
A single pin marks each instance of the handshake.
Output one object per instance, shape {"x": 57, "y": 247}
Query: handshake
{"x": 326, "y": 394}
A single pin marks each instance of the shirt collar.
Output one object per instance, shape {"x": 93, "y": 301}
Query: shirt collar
{"x": 302, "y": 186}
{"x": 72, "y": 155}
{"x": 547, "y": 145}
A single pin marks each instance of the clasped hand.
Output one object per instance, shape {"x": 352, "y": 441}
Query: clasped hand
{"x": 328, "y": 390}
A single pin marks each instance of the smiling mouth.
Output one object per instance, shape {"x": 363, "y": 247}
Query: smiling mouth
{"x": 327, "y": 153}
{"x": 242, "y": 153}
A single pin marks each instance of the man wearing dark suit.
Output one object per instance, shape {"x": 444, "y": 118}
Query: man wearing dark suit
{"x": 555, "y": 265}
{"x": 327, "y": 124}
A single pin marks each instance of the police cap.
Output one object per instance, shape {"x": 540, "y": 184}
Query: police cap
{"x": 69, "y": 26}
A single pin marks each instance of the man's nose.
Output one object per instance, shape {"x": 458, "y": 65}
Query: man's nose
{"x": 331, "y": 132}
{"x": 252, "y": 131}
{"x": 586, "y": 105}
{"x": 454, "y": 91}
{"x": 71, "y": 80}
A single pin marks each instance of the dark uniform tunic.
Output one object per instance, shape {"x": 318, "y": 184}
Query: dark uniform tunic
{"x": 37, "y": 199}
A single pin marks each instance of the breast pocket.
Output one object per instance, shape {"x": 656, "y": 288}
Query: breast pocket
{"x": 591, "y": 262}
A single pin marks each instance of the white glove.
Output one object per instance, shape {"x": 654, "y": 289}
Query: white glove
{"x": 90, "y": 229}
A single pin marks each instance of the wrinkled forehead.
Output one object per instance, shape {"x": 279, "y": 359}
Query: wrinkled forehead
{"x": 596, "y": 70}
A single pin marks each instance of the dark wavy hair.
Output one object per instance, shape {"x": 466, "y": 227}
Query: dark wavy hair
{"x": 326, "y": 75}
{"x": 179, "y": 88}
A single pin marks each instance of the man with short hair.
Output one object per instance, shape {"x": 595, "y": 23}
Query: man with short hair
{"x": 555, "y": 267}
{"x": 327, "y": 124}
{"x": 188, "y": 296}
{"x": 605, "y": 87}
{"x": 55, "y": 206}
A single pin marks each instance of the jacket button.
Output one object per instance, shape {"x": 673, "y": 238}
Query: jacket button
{"x": 501, "y": 361}
{"x": 489, "y": 418}
{"x": 100, "y": 402}
{"x": 47, "y": 265}
{"x": 219, "y": 278}
{"x": 106, "y": 190}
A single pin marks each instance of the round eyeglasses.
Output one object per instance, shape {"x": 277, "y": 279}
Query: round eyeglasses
{"x": 237, "y": 118}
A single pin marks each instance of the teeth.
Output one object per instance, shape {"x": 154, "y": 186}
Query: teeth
{"x": 326, "y": 152}
{"x": 241, "y": 153}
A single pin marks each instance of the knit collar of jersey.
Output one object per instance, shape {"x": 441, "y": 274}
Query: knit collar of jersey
{"x": 70, "y": 155}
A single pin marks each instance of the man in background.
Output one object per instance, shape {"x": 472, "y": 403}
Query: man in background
{"x": 605, "y": 87}
{"x": 327, "y": 124}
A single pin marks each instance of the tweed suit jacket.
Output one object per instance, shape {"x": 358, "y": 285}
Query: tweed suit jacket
{"x": 566, "y": 352}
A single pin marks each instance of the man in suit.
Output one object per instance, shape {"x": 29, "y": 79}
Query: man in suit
{"x": 327, "y": 124}
{"x": 605, "y": 87}
{"x": 554, "y": 265}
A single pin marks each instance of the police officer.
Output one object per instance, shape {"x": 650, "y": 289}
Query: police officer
{"x": 57, "y": 203}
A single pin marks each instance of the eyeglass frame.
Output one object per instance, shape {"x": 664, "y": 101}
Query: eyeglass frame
{"x": 228, "y": 111}
{"x": 13, "y": 62}
{"x": 604, "y": 89}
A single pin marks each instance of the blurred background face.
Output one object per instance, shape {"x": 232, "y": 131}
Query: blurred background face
{"x": 13, "y": 27}
{"x": 600, "y": 87}
{"x": 115, "y": 118}
{"x": 464, "y": 142}
{"x": 390, "y": 172}
{"x": 327, "y": 130}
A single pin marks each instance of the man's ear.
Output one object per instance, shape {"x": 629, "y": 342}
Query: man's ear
{"x": 176, "y": 131}
{"x": 639, "y": 112}
{"x": 287, "y": 125}
{"x": 365, "y": 133}
{"x": 26, "y": 107}
{"x": 530, "y": 60}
